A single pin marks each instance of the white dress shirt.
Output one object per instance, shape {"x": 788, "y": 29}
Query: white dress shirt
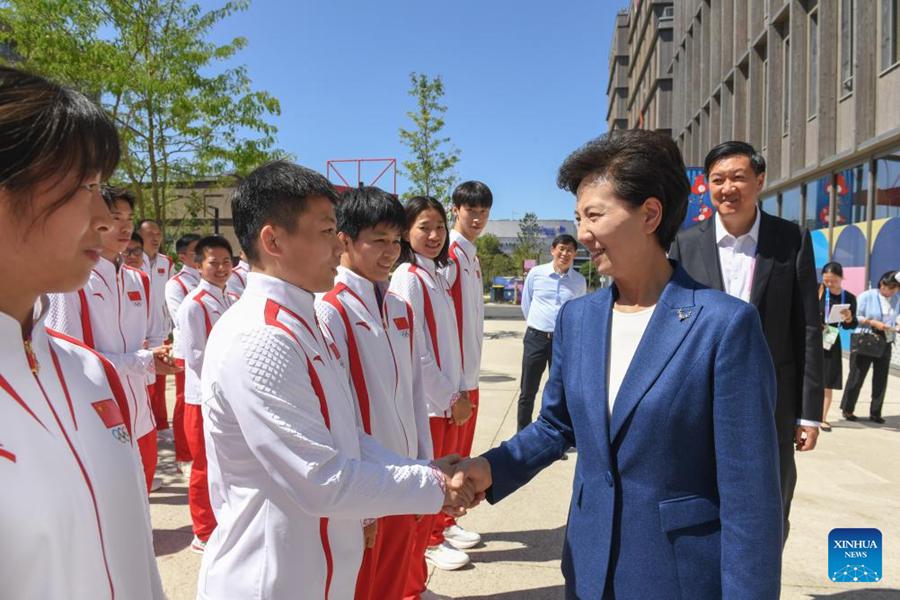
{"x": 737, "y": 257}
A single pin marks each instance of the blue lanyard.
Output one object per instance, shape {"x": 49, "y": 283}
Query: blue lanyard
{"x": 828, "y": 301}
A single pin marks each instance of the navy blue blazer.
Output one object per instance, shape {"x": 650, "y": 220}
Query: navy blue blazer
{"x": 676, "y": 495}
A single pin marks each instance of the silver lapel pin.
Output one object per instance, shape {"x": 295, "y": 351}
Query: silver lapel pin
{"x": 683, "y": 314}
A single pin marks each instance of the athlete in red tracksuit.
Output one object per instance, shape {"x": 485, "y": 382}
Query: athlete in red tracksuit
{"x": 472, "y": 202}
{"x": 372, "y": 330}
{"x": 177, "y": 288}
{"x": 197, "y": 314}
{"x": 436, "y": 347}
{"x": 110, "y": 314}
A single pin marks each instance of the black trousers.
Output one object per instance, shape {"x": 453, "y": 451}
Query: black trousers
{"x": 859, "y": 368}
{"x": 535, "y": 358}
{"x": 788, "y": 478}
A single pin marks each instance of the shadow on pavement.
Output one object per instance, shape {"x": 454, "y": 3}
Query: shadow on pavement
{"x": 869, "y": 594}
{"x": 546, "y": 593}
{"x": 171, "y": 495}
{"x": 491, "y": 377}
{"x": 539, "y": 545}
{"x": 499, "y": 335}
{"x": 172, "y": 541}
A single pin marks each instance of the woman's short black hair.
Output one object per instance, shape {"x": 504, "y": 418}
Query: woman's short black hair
{"x": 889, "y": 279}
{"x": 49, "y": 132}
{"x": 638, "y": 164}
{"x": 474, "y": 194}
{"x": 365, "y": 207}
{"x": 274, "y": 194}
{"x": 564, "y": 238}
{"x": 210, "y": 241}
{"x": 183, "y": 243}
{"x": 834, "y": 268}
{"x": 414, "y": 207}
{"x": 735, "y": 148}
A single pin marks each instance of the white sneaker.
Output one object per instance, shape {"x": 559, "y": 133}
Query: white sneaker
{"x": 446, "y": 557}
{"x": 155, "y": 484}
{"x": 198, "y": 546}
{"x": 461, "y": 538}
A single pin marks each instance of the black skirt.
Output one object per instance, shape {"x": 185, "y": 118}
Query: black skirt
{"x": 833, "y": 371}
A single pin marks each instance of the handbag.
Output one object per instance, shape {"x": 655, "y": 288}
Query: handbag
{"x": 868, "y": 344}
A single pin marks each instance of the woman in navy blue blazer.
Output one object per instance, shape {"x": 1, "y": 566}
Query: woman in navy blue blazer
{"x": 668, "y": 391}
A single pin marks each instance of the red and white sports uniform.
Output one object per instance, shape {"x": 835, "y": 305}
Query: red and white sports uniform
{"x": 200, "y": 310}
{"x": 436, "y": 344}
{"x": 75, "y": 521}
{"x": 159, "y": 269}
{"x": 238, "y": 280}
{"x": 110, "y": 314}
{"x": 291, "y": 474}
{"x": 177, "y": 288}
{"x": 463, "y": 273}
{"x": 375, "y": 346}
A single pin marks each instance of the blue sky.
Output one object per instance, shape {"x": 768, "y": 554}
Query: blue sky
{"x": 525, "y": 83}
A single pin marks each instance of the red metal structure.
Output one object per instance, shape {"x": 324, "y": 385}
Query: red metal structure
{"x": 369, "y": 165}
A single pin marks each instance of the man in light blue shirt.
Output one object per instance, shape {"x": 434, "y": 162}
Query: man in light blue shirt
{"x": 547, "y": 288}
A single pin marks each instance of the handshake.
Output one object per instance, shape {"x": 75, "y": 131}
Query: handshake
{"x": 465, "y": 482}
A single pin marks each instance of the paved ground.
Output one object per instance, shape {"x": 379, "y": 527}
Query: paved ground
{"x": 850, "y": 480}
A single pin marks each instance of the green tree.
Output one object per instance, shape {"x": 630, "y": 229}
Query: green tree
{"x": 529, "y": 240}
{"x": 493, "y": 261}
{"x": 180, "y": 114}
{"x": 431, "y": 167}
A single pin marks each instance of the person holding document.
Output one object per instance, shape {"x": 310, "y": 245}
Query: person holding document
{"x": 838, "y": 309}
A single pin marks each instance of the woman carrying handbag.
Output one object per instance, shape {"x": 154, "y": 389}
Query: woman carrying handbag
{"x": 833, "y": 298}
{"x": 871, "y": 343}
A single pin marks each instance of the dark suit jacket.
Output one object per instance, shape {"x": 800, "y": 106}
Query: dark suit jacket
{"x": 784, "y": 291}
{"x": 677, "y": 494}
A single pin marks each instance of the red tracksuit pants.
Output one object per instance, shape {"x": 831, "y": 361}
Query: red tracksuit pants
{"x": 198, "y": 492}
{"x": 382, "y": 575}
{"x": 148, "y": 452}
{"x": 157, "y": 391}
{"x": 182, "y": 450}
{"x": 445, "y": 439}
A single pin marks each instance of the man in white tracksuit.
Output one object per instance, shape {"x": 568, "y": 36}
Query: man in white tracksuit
{"x": 159, "y": 269}
{"x": 110, "y": 314}
{"x": 179, "y": 286}
{"x": 372, "y": 330}
{"x": 291, "y": 474}
{"x": 200, "y": 310}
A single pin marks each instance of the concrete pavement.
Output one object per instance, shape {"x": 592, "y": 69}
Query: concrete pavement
{"x": 850, "y": 480}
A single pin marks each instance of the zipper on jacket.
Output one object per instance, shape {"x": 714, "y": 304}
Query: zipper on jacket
{"x": 31, "y": 358}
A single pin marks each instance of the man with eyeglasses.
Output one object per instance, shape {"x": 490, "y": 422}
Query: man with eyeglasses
{"x": 134, "y": 252}
{"x": 547, "y": 288}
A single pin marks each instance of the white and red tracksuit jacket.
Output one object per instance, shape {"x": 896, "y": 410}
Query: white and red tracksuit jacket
{"x": 110, "y": 314}
{"x": 375, "y": 348}
{"x": 75, "y": 521}
{"x": 435, "y": 341}
{"x": 176, "y": 289}
{"x": 291, "y": 474}
{"x": 200, "y": 310}
{"x": 160, "y": 269}
{"x": 467, "y": 290}
{"x": 238, "y": 280}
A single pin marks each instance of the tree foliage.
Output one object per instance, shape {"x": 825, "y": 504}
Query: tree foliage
{"x": 430, "y": 169}
{"x": 529, "y": 240}
{"x": 181, "y": 114}
{"x": 493, "y": 261}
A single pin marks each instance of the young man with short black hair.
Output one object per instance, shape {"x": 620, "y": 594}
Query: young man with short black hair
{"x": 372, "y": 329}
{"x": 238, "y": 280}
{"x": 196, "y": 316}
{"x": 291, "y": 474}
{"x": 472, "y": 201}
{"x": 133, "y": 254}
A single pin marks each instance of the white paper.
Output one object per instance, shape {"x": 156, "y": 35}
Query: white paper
{"x": 835, "y": 315}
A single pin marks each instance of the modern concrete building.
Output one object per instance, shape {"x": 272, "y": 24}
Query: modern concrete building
{"x": 813, "y": 84}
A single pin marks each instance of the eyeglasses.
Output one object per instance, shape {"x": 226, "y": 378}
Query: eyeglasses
{"x": 134, "y": 251}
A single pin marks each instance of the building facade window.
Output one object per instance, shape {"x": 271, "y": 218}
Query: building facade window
{"x": 790, "y": 205}
{"x": 815, "y": 214}
{"x": 786, "y": 87}
{"x": 887, "y": 182}
{"x": 890, "y": 33}
{"x": 812, "y": 63}
{"x": 765, "y": 99}
{"x": 769, "y": 205}
{"x": 847, "y": 45}
{"x": 852, "y": 189}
